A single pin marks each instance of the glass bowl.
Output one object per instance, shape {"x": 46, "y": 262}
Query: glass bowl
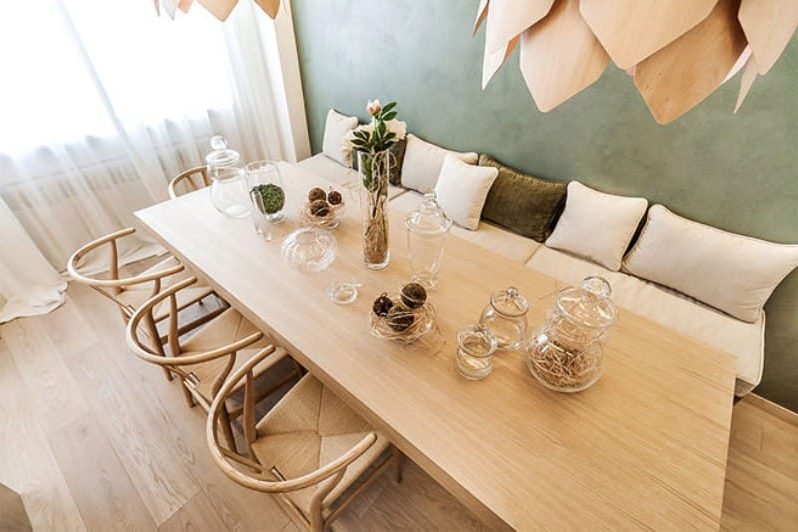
{"x": 310, "y": 249}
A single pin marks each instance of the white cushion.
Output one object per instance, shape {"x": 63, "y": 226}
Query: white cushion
{"x": 339, "y": 174}
{"x": 496, "y": 239}
{"x": 596, "y": 225}
{"x": 335, "y": 128}
{"x": 685, "y": 315}
{"x": 730, "y": 272}
{"x": 423, "y": 162}
{"x": 462, "y": 190}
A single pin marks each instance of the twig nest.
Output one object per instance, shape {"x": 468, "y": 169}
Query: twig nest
{"x": 413, "y": 295}
{"x": 319, "y": 208}
{"x": 316, "y": 193}
{"x": 393, "y": 319}
{"x": 400, "y": 318}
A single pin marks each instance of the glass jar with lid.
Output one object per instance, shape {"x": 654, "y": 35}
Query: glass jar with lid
{"x": 228, "y": 189}
{"x": 505, "y": 316}
{"x": 567, "y": 355}
{"x": 427, "y": 227}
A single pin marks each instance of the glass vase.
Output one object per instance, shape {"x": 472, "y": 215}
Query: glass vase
{"x": 374, "y": 170}
{"x": 265, "y": 190}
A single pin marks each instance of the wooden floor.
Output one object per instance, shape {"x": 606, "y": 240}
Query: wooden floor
{"x": 94, "y": 439}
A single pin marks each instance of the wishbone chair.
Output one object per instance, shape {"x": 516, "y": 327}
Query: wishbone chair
{"x": 311, "y": 450}
{"x": 204, "y": 359}
{"x": 130, "y": 292}
{"x": 192, "y": 179}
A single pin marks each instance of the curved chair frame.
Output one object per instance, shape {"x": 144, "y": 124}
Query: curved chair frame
{"x": 188, "y": 177}
{"x": 176, "y": 363}
{"x": 324, "y": 478}
{"x": 111, "y": 288}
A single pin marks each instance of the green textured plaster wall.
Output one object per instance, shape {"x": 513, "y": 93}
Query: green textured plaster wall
{"x": 737, "y": 172}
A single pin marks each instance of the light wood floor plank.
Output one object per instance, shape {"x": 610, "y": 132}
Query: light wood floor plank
{"x": 104, "y": 493}
{"x": 197, "y": 514}
{"x": 137, "y": 435}
{"x": 41, "y": 367}
{"x": 27, "y": 464}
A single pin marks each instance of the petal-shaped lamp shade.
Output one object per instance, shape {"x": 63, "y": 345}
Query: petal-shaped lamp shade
{"x": 270, "y": 7}
{"x": 768, "y": 25}
{"x": 681, "y": 75}
{"x": 631, "y": 30}
{"x": 220, "y": 9}
{"x": 560, "y": 56}
{"x": 482, "y": 12}
{"x": 746, "y": 81}
{"x": 508, "y": 18}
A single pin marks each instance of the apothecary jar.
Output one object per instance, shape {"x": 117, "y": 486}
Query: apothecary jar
{"x": 505, "y": 316}
{"x": 566, "y": 355}
{"x": 427, "y": 227}
{"x": 228, "y": 189}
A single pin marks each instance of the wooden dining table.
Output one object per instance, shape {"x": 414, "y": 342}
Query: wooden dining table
{"x": 645, "y": 447}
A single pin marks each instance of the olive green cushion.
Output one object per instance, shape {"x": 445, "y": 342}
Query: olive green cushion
{"x": 524, "y": 204}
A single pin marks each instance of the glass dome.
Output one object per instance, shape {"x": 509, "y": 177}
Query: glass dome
{"x": 427, "y": 227}
{"x": 310, "y": 249}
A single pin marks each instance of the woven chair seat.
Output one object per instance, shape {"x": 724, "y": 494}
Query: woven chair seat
{"x": 307, "y": 429}
{"x": 227, "y": 328}
{"x": 135, "y": 295}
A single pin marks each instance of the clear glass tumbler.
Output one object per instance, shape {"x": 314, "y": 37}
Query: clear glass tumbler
{"x": 475, "y": 348}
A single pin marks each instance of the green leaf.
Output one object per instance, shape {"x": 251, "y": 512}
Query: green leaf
{"x": 388, "y": 107}
{"x": 389, "y": 116}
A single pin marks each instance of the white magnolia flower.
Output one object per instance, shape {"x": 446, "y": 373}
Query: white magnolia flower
{"x": 397, "y": 127}
{"x": 373, "y": 107}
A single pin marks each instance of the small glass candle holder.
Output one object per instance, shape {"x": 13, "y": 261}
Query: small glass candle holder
{"x": 475, "y": 348}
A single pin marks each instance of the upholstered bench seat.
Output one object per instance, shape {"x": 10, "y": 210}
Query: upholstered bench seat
{"x": 744, "y": 340}
{"x": 489, "y": 236}
{"x": 337, "y": 173}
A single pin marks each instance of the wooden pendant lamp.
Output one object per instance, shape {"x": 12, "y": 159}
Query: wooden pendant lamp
{"x": 678, "y": 52}
{"x": 220, "y": 9}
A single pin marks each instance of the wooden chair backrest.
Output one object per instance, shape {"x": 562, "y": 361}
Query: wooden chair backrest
{"x": 114, "y": 285}
{"x": 141, "y": 345}
{"x": 192, "y": 179}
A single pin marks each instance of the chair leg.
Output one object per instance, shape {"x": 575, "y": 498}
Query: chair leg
{"x": 398, "y": 464}
{"x": 227, "y": 429}
{"x": 187, "y": 396}
{"x": 152, "y": 332}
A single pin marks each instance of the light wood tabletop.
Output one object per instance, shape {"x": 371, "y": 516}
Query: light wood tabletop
{"x": 645, "y": 447}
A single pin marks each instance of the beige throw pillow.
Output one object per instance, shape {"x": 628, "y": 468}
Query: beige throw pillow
{"x": 733, "y": 273}
{"x": 423, "y": 163}
{"x": 462, "y": 189}
{"x": 597, "y": 226}
{"x": 335, "y": 128}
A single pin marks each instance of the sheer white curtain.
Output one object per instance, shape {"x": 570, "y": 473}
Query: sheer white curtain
{"x": 101, "y": 104}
